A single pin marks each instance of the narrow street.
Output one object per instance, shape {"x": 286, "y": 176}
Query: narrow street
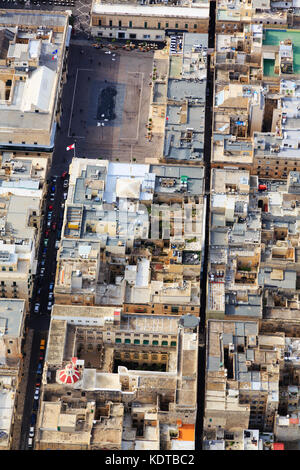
{"x": 203, "y": 283}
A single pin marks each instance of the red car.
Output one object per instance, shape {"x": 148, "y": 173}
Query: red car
{"x": 47, "y": 233}
{"x": 50, "y": 208}
{"x": 64, "y": 174}
{"x": 54, "y": 226}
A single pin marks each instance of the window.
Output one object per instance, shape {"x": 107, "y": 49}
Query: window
{"x": 158, "y": 26}
{"x": 145, "y": 341}
{"x": 127, "y": 341}
{"x": 118, "y": 340}
{"x": 110, "y": 22}
{"x": 136, "y": 341}
{"x": 147, "y": 36}
{"x": 173, "y": 343}
{"x": 132, "y": 36}
{"x": 195, "y": 26}
{"x": 155, "y": 343}
{"x": 120, "y": 24}
{"x": 164, "y": 343}
{"x": 145, "y": 24}
{"x": 186, "y": 26}
{"x": 176, "y": 25}
{"x": 99, "y": 23}
{"x": 167, "y": 25}
{"x": 130, "y": 24}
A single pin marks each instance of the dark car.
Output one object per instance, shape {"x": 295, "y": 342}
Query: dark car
{"x": 35, "y": 405}
{"x": 64, "y": 174}
{"x": 54, "y": 226}
{"x": 33, "y": 419}
{"x": 39, "y": 369}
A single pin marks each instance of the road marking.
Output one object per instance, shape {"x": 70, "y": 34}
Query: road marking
{"x": 73, "y": 99}
{"x": 139, "y": 112}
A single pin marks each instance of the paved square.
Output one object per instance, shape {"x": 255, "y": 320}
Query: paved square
{"x": 124, "y": 137}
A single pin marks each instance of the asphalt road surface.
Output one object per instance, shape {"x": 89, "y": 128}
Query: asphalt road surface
{"x": 40, "y": 321}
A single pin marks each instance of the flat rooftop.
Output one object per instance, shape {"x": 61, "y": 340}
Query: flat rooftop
{"x": 199, "y": 12}
{"x": 11, "y": 317}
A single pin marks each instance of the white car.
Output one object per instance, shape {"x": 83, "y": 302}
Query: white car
{"x": 36, "y": 394}
{"x": 65, "y": 195}
{"x": 37, "y": 308}
{"x": 49, "y": 306}
{"x": 50, "y": 296}
{"x": 30, "y": 442}
{"x": 31, "y": 431}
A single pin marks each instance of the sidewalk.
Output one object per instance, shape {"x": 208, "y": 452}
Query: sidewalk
{"x": 21, "y": 393}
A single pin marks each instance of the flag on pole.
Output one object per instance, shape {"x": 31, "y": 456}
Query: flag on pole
{"x": 70, "y": 147}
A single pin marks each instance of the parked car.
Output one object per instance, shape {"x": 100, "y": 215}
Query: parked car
{"x": 46, "y": 242}
{"x": 38, "y": 292}
{"x": 51, "y": 286}
{"x": 42, "y": 344}
{"x": 49, "y": 305}
{"x": 50, "y": 296}
{"x": 48, "y": 223}
{"x": 37, "y": 307}
{"x": 39, "y": 369}
{"x": 42, "y": 272}
{"x": 54, "y": 226}
{"x": 33, "y": 419}
{"x": 50, "y": 208}
{"x": 51, "y": 197}
{"x": 66, "y": 183}
{"x": 36, "y": 394}
{"x": 30, "y": 442}
{"x": 65, "y": 195}
{"x": 31, "y": 431}
{"x": 35, "y": 405}
{"x": 57, "y": 244}
{"x": 49, "y": 215}
{"x": 64, "y": 174}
